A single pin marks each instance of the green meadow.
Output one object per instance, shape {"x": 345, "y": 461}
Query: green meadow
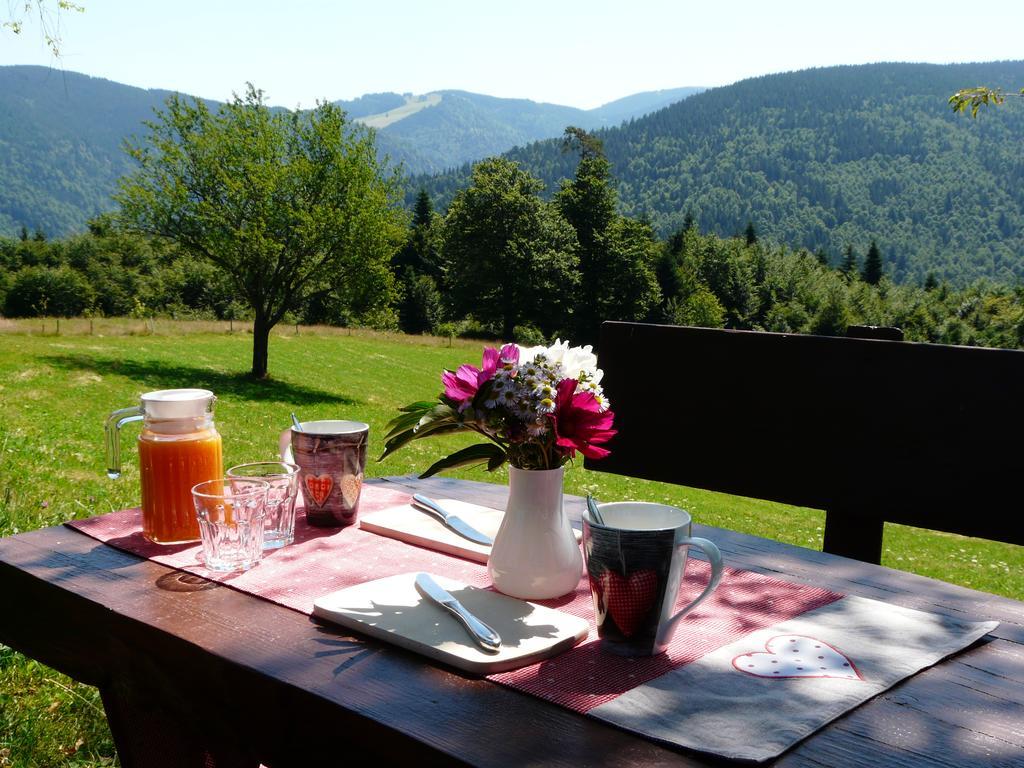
{"x": 56, "y": 390}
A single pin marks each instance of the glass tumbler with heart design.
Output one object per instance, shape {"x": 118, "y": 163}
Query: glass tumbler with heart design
{"x": 331, "y": 456}
{"x": 636, "y": 561}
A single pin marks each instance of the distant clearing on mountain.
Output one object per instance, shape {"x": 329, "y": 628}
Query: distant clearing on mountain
{"x": 410, "y": 106}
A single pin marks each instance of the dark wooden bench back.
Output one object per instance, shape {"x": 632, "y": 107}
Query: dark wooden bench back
{"x": 869, "y": 431}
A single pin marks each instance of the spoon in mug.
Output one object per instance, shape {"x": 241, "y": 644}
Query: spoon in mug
{"x": 595, "y": 513}
{"x": 296, "y": 425}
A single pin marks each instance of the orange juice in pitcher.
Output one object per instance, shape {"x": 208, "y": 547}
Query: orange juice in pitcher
{"x": 178, "y": 448}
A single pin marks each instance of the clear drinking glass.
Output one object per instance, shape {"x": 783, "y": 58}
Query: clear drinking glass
{"x": 283, "y": 479}
{"x": 230, "y": 513}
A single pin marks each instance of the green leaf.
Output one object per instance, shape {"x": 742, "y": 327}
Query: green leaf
{"x": 438, "y": 427}
{"x": 422, "y": 405}
{"x": 402, "y": 423}
{"x": 474, "y": 454}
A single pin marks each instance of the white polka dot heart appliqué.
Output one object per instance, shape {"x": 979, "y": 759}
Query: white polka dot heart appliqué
{"x": 797, "y": 656}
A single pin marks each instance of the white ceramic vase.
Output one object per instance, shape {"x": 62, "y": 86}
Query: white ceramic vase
{"x": 535, "y": 555}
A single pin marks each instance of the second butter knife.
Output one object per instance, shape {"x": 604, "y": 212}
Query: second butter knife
{"x": 456, "y": 523}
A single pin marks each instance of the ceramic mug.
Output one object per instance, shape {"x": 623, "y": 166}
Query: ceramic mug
{"x": 332, "y": 457}
{"x": 635, "y": 564}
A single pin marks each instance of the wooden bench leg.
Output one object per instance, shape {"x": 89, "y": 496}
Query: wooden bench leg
{"x": 147, "y": 736}
{"x": 854, "y": 536}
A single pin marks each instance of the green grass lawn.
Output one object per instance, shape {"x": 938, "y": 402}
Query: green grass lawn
{"x": 55, "y": 392}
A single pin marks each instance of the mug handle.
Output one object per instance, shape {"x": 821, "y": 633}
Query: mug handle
{"x": 284, "y": 446}
{"x": 715, "y": 558}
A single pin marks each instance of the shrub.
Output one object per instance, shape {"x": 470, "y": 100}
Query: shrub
{"x": 528, "y": 336}
{"x": 39, "y": 291}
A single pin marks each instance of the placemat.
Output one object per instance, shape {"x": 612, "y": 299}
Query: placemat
{"x": 744, "y": 617}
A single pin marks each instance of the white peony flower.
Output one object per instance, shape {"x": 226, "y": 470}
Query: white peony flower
{"x": 527, "y": 354}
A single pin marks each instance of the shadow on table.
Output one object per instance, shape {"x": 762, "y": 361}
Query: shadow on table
{"x": 354, "y": 651}
{"x": 161, "y": 375}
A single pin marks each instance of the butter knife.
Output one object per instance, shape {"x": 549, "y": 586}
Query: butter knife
{"x": 483, "y": 635}
{"x": 456, "y": 523}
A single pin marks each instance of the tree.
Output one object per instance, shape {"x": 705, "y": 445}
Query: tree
{"x": 975, "y": 98}
{"x": 849, "y": 264}
{"x": 510, "y": 257}
{"x": 872, "y": 272}
{"x": 418, "y": 268}
{"x": 750, "y": 234}
{"x": 49, "y": 20}
{"x": 292, "y": 205}
{"x": 617, "y": 255}
{"x": 420, "y": 251}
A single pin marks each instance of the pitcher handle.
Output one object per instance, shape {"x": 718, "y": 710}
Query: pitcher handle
{"x": 284, "y": 446}
{"x": 715, "y": 558}
{"x": 113, "y": 425}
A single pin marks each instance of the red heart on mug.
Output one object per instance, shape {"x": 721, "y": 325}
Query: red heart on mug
{"x": 319, "y": 487}
{"x": 628, "y": 599}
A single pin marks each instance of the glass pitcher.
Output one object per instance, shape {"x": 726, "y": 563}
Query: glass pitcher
{"x": 179, "y": 447}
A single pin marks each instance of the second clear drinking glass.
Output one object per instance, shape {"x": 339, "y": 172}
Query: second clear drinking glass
{"x": 283, "y": 479}
{"x": 230, "y": 513}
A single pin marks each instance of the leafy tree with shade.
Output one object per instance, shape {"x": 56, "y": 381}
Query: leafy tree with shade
{"x": 510, "y": 258}
{"x": 292, "y": 205}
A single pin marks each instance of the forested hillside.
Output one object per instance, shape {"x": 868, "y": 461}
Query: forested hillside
{"x": 60, "y": 145}
{"x": 827, "y": 158}
{"x": 61, "y": 135}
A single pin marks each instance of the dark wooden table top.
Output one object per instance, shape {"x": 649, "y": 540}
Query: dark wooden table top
{"x": 194, "y": 673}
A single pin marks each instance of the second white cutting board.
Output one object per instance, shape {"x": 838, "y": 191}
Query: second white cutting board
{"x": 406, "y": 523}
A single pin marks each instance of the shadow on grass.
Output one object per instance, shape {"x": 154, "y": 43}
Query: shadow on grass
{"x": 156, "y": 374}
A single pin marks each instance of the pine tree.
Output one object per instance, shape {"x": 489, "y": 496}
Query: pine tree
{"x": 849, "y": 264}
{"x": 750, "y": 233}
{"x": 616, "y": 254}
{"x": 872, "y": 272}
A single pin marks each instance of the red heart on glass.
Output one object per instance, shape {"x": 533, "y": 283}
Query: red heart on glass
{"x": 319, "y": 487}
{"x": 628, "y": 598}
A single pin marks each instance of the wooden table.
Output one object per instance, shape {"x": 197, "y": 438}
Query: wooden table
{"x": 192, "y": 673}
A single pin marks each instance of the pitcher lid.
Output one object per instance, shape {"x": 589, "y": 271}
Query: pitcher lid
{"x": 177, "y": 403}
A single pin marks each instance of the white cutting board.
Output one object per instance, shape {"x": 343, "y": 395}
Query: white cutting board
{"x": 393, "y": 610}
{"x": 407, "y": 523}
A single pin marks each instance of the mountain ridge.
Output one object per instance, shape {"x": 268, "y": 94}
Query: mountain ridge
{"x": 61, "y": 134}
{"x": 826, "y": 158}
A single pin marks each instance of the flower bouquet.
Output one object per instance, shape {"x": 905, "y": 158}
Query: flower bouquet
{"x": 537, "y": 406}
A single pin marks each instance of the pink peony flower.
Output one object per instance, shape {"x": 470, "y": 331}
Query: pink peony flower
{"x": 579, "y": 423}
{"x": 509, "y": 355}
{"x": 462, "y": 385}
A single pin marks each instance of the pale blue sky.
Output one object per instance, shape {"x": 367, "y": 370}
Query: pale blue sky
{"x": 577, "y": 53}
